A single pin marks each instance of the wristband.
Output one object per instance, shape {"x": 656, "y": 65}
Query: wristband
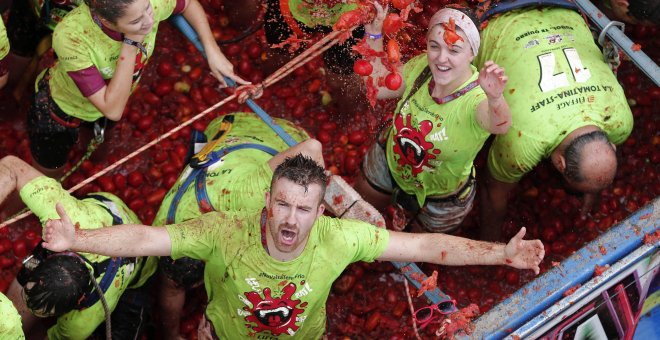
{"x": 373, "y": 36}
{"x": 136, "y": 44}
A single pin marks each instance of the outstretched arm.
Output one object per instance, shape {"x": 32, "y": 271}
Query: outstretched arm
{"x": 493, "y": 114}
{"x": 14, "y": 174}
{"x": 458, "y": 251}
{"x": 122, "y": 240}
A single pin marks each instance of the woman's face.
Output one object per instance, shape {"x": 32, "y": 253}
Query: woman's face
{"x": 449, "y": 64}
{"x": 138, "y": 18}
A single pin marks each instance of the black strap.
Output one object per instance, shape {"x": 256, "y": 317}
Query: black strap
{"x": 421, "y": 79}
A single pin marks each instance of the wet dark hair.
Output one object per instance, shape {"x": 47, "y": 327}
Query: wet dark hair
{"x": 59, "y": 284}
{"x": 645, "y": 10}
{"x": 110, "y": 10}
{"x": 301, "y": 170}
{"x": 573, "y": 153}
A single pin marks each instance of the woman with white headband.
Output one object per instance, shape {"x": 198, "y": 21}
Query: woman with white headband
{"x": 424, "y": 161}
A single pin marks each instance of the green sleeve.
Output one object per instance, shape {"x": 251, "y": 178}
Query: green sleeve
{"x": 196, "y": 238}
{"x": 10, "y": 321}
{"x": 363, "y": 241}
{"x": 4, "y": 41}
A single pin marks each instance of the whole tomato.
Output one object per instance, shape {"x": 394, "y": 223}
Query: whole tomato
{"x": 393, "y": 81}
{"x": 363, "y": 67}
{"x": 402, "y": 4}
{"x": 20, "y": 248}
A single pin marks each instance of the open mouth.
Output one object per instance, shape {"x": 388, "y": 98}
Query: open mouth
{"x": 443, "y": 68}
{"x": 287, "y": 237}
{"x": 274, "y": 317}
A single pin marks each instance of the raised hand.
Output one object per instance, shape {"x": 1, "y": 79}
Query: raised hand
{"x": 376, "y": 26}
{"x": 492, "y": 79}
{"x": 59, "y": 235}
{"x": 524, "y": 254}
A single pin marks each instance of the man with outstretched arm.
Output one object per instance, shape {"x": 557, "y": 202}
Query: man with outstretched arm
{"x": 269, "y": 272}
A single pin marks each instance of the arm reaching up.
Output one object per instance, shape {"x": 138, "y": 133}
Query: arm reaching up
{"x": 458, "y": 251}
{"x": 123, "y": 240}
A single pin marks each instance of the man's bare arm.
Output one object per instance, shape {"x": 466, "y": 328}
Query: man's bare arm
{"x": 458, "y": 251}
{"x": 122, "y": 240}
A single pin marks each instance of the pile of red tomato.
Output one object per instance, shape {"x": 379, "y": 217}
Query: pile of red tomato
{"x": 368, "y": 300}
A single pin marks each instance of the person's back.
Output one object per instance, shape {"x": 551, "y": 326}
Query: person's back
{"x": 558, "y": 82}
{"x": 239, "y": 180}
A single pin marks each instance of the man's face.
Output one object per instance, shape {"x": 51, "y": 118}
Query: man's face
{"x": 292, "y": 211}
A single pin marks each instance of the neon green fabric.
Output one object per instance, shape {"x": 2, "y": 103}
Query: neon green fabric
{"x": 80, "y": 43}
{"x": 431, "y": 146}
{"x": 241, "y": 179}
{"x": 10, "y": 320}
{"x": 4, "y": 41}
{"x": 40, "y": 195}
{"x": 57, "y": 10}
{"x": 318, "y": 14}
{"x": 558, "y": 82}
{"x": 246, "y": 287}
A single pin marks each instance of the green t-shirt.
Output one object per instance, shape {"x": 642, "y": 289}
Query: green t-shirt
{"x": 558, "y": 82}
{"x": 80, "y": 43}
{"x": 252, "y": 294}
{"x": 241, "y": 178}
{"x": 431, "y": 146}
{"x": 40, "y": 195}
{"x": 318, "y": 14}
{"x": 4, "y": 41}
{"x": 10, "y": 320}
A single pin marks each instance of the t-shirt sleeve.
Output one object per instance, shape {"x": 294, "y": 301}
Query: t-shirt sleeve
{"x": 509, "y": 160}
{"x": 41, "y": 195}
{"x": 364, "y": 242}
{"x": 196, "y": 238}
{"x": 4, "y": 49}
{"x": 163, "y": 9}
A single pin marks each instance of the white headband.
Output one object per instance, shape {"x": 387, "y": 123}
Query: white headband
{"x": 462, "y": 21}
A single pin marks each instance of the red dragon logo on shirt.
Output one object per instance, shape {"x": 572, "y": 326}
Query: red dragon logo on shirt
{"x": 277, "y": 315}
{"x": 410, "y": 143}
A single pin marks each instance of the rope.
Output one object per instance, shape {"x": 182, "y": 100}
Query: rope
{"x": 412, "y": 310}
{"x": 106, "y": 309}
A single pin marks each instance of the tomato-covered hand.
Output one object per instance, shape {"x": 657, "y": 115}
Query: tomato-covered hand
{"x": 376, "y": 26}
{"x": 524, "y": 254}
{"x": 492, "y": 79}
{"x": 59, "y": 235}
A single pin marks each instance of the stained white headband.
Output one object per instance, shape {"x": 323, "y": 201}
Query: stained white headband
{"x": 462, "y": 21}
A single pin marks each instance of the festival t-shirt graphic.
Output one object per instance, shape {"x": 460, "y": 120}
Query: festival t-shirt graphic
{"x": 276, "y": 310}
{"x": 410, "y": 143}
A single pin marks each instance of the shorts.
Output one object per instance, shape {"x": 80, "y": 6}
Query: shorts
{"x": 187, "y": 273}
{"x": 442, "y": 215}
{"x": 338, "y": 59}
{"x": 50, "y": 139}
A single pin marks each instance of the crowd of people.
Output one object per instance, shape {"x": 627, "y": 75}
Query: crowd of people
{"x": 246, "y": 218}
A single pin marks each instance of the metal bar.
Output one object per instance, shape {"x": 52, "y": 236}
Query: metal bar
{"x": 643, "y": 62}
{"x": 533, "y": 299}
